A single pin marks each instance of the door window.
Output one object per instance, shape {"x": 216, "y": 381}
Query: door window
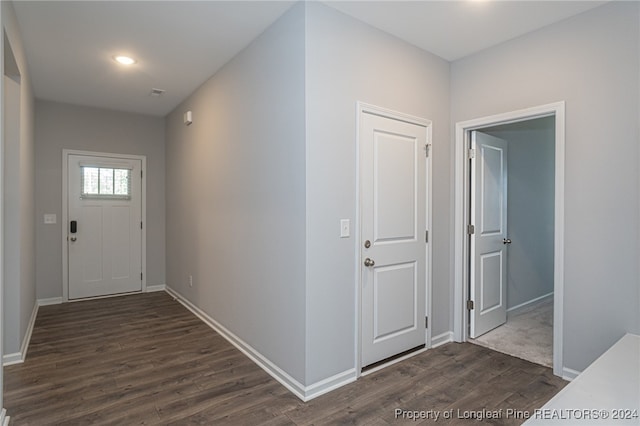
{"x": 102, "y": 182}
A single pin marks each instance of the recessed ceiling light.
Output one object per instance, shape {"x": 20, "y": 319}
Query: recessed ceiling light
{"x": 124, "y": 60}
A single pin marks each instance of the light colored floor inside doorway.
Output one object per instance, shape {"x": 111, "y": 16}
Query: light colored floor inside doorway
{"x": 527, "y": 334}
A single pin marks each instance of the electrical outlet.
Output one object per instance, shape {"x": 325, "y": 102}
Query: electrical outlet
{"x": 190, "y": 280}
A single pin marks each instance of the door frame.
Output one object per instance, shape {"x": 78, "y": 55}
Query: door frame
{"x": 364, "y": 108}
{"x": 65, "y": 214}
{"x": 461, "y": 218}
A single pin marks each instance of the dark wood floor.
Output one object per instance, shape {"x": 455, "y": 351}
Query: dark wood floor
{"x": 145, "y": 359}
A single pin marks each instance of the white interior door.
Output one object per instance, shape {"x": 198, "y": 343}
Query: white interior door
{"x": 393, "y": 225}
{"x": 489, "y": 241}
{"x": 104, "y": 235}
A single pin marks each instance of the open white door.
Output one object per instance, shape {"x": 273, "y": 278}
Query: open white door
{"x": 104, "y": 235}
{"x": 489, "y": 241}
{"x": 393, "y": 224}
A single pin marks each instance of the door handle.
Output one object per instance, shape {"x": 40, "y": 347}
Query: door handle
{"x": 73, "y": 239}
{"x": 506, "y": 241}
{"x": 369, "y": 262}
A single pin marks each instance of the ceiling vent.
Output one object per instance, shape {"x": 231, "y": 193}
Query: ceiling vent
{"x": 157, "y": 92}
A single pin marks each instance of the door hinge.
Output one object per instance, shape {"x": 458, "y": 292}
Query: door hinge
{"x": 470, "y": 305}
{"x": 140, "y": 174}
{"x": 426, "y": 236}
{"x": 427, "y": 148}
{"x": 426, "y": 322}
{"x": 140, "y": 225}
{"x": 472, "y": 153}
{"x": 471, "y": 229}
{"x": 140, "y": 276}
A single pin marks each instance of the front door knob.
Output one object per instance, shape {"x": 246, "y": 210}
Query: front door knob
{"x": 506, "y": 241}
{"x": 369, "y": 262}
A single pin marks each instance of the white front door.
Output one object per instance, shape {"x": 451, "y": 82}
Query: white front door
{"x": 104, "y": 235}
{"x": 393, "y": 225}
{"x": 489, "y": 241}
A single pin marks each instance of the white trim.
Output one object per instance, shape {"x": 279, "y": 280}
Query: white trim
{"x": 357, "y": 362}
{"x": 65, "y": 213}
{"x": 461, "y": 249}
{"x": 569, "y": 374}
{"x": 429, "y": 212}
{"x": 329, "y": 384}
{"x": 442, "y": 339}
{"x": 528, "y": 303}
{"x": 3, "y": 414}
{"x": 19, "y": 357}
{"x": 50, "y": 301}
{"x": 12, "y": 359}
{"x": 27, "y": 335}
{"x": 4, "y": 419}
{"x": 154, "y": 288}
{"x": 361, "y": 108}
{"x": 395, "y": 115}
{"x": 305, "y": 393}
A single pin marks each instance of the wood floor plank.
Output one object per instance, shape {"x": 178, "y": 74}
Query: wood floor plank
{"x": 146, "y": 360}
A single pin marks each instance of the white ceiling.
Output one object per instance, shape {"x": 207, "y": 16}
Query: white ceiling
{"x": 179, "y": 44}
{"x": 455, "y": 29}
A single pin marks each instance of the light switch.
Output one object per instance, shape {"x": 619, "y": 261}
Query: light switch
{"x": 344, "y": 228}
{"x": 49, "y": 218}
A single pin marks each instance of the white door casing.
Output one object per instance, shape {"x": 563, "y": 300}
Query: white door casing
{"x": 393, "y": 219}
{"x": 488, "y": 269}
{"x": 461, "y": 219}
{"x": 105, "y": 253}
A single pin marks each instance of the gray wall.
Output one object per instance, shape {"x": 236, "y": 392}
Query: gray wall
{"x": 590, "y": 61}
{"x": 530, "y": 207}
{"x": 348, "y": 61}
{"x": 63, "y": 126}
{"x": 236, "y": 195}
{"x": 19, "y": 235}
{"x": 246, "y": 195}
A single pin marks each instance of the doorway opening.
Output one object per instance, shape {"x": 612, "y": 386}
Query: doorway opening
{"x": 524, "y": 324}
{"x": 526, "y": 258}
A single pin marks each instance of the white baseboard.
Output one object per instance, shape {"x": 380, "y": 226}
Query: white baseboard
{"x": 305, "y": 393}
{"x": 569, "y": 374}
{"x": 153, "y": 288}
{"x": 441, "y": 339}
{"x": 12, "y": 359}
{"x": 525, "y": 305}
{"x": 19, "y": 357}
{"x": 4, "y": 419}
{"x": 329, "y": 384}
{"x": 50, "y": 301}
